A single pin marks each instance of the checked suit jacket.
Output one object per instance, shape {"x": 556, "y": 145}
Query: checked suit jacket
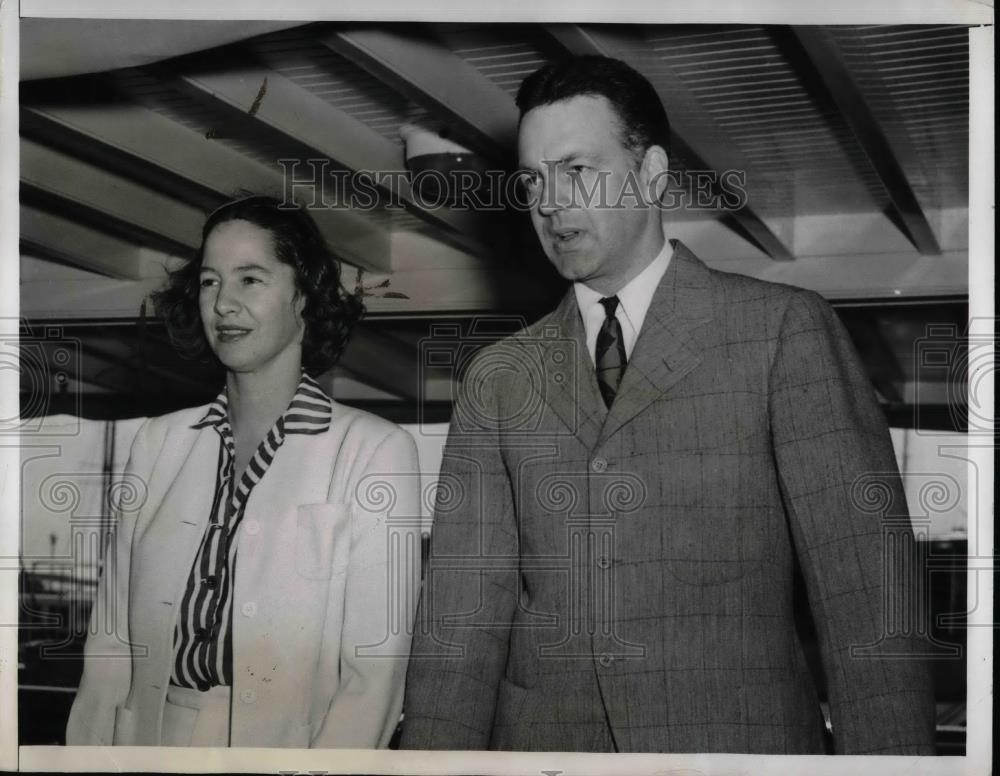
{"x": 621, "y": 580}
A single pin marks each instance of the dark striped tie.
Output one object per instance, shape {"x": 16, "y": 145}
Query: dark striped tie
{"x": 610, "y": 353}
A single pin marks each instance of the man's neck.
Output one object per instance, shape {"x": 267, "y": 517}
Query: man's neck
{"x": 611, "y": 285}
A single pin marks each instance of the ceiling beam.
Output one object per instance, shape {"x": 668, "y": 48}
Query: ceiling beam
{"x": 155, "y": 139}
{"x": 578, "y": 41}
{"x": 263, "y": 95}
{"x": 98, "y": 297}
{"x": 110, "y": 159}
{"x": 82, "y": 246}
{"x": 824, "y": 56}
{"x": 426, "y": 72}
{"x": 65, "y": 178}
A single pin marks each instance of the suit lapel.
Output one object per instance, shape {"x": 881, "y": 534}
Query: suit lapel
{"x": 666, "y": 349}
{"x": 572, "y": 394}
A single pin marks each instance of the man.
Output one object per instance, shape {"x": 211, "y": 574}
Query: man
{"x": 629, "y": 484}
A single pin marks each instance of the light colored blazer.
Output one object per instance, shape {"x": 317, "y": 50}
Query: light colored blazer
{"x": 327, "y": 573}
{"x": 622, "y": 580}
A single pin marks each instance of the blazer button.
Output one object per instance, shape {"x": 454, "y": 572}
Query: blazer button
{"x": 253, "y": 527}
{"x": 249, "y": 609}
{"x": 606, "y": 660}
{"x": 248, "y": 696}
{"x": 599, "y": 465}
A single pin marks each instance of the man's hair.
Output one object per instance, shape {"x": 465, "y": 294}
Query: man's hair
{"x": 329, "y": 312}
{"x": 641, "y": 116}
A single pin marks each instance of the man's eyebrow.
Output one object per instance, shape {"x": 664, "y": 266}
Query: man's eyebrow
{"x": 565, "y": 158}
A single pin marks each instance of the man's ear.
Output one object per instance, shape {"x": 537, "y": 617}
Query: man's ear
{"x": 653, "y": 173}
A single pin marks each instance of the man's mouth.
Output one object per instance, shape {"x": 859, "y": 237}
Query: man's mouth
{"x": 231, "y": 333}
{"x": 565, "y": 236}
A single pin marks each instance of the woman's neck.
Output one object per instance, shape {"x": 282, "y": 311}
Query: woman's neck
{"x": 257, "y": 399}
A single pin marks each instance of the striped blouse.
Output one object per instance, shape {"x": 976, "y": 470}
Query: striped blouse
{"x": 203, "y": 643}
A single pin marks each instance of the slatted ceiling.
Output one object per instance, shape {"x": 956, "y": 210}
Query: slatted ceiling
{"x": 327, "y": 75}
{"x": 148, "y": 89}
{"x": 916, "y": 83}
{"x": 506, "y": 55}
{"x": 745, "y": 96}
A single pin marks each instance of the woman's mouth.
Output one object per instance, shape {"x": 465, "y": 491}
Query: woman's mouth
{"x": 230, "y": 333}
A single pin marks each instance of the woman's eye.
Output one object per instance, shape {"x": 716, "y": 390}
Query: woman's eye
{"x": 249, "y": 280}
{"x": 207, "y": 282}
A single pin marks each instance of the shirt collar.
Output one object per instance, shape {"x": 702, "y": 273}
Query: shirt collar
{"x": 309, "y": 411}
{"x": 636, "y": 296}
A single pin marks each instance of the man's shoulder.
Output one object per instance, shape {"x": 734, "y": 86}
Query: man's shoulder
{"x": 752, "y": 300}
{"x": 550, "y": 328}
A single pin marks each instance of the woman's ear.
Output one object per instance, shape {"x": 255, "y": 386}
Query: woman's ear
{"x": 299, "y": 306}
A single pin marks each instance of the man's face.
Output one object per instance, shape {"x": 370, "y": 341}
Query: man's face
{"x": 571, "y": 149}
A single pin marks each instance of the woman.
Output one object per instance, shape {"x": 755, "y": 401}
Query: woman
{"x": 256, "y": 572}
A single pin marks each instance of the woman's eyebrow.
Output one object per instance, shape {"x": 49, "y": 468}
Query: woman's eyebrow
{"x": 241, "y": 268}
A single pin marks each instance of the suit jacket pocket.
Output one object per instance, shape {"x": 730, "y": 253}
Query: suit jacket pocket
{"x": 124, "y": 734}
{"x": 322, "y": 540}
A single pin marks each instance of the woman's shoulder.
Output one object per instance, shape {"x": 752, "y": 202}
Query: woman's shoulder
{"x": 351, "y": 419}
{"x": 157, "y": 427}
{"x": 364, "y": 430}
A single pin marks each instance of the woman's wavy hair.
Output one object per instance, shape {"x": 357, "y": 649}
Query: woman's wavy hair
{"x": 329, "y": 312}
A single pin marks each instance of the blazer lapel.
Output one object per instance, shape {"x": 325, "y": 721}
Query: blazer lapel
{"x": 666, "y": 349}
{"x": 572, "y": 394}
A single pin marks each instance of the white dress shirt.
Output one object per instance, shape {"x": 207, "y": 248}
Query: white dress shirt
{"x": 634, "y": 300}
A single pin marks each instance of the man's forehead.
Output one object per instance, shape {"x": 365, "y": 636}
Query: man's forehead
{"x": 582, "y": 120}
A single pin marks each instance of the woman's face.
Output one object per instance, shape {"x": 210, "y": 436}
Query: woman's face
{"x": 249, "y": 306}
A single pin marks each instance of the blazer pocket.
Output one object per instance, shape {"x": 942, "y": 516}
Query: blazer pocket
{"x": 322, "y": 540}
{"x": 124, "y": 731}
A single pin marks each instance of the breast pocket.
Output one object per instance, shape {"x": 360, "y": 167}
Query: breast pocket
{"x": 322, "y": 540}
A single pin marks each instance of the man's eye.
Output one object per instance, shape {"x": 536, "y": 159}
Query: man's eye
{"x": 530, "y": 181}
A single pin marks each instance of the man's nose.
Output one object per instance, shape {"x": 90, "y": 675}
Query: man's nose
{"x": 553, "y": 196}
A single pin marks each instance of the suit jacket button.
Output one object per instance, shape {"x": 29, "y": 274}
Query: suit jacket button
{"x": 249, "y": 609}
{"x": 599, "y": 465}
{"x": 253, "y": 527}
{"x": 248, "y": 696}
{"x": 603, "y": 562}
{"x": 606, "y": 660}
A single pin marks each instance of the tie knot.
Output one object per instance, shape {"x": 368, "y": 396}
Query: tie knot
{"x": 610, "y": 305}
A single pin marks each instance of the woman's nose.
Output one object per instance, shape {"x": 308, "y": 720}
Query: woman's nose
{"x": 226, "y": 301}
